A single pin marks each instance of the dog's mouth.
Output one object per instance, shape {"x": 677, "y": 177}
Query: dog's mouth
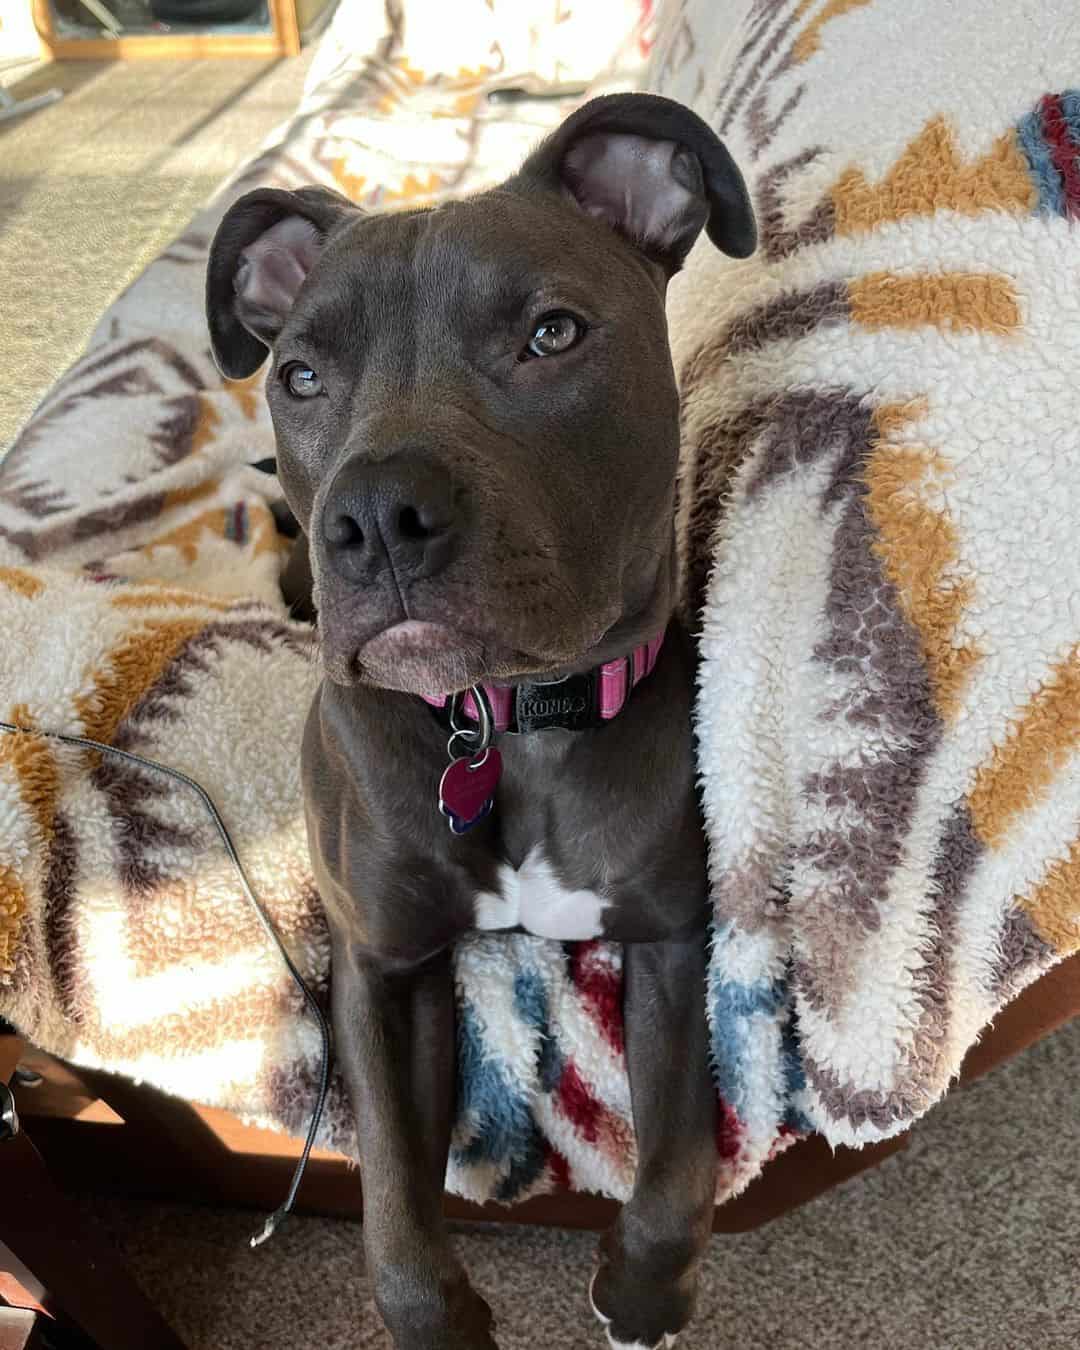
{"x": 434, "y": 657}
{"x": 434, "y": 645}
{"x": 420, "y": 657}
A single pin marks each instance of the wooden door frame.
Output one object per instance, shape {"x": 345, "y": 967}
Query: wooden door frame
{"x": 282, "y": 40}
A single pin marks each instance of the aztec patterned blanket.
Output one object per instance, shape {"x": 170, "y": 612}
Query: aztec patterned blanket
{"x": 882, "y": 471}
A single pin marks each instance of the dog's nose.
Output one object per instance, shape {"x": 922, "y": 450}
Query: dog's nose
{"x": 397, "y": 514}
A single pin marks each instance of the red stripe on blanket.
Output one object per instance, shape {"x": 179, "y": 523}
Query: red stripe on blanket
{"x": 578, "y": 1104}
{"x": 1063, "y": 152}
{"x": 785, "y": 1137}
{"x": 729, "y": 1133}
{"x": 600, "y": 988}
{"x": 560, "y": 1169}
{"x": 590, "y": 1117}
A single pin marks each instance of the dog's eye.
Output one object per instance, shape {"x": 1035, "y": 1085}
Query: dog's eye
{"x": 555, "y": 333}
{"x": 300, "y": 380}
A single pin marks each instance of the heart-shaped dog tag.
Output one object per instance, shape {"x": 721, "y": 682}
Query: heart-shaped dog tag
{"x": 467, "y": 789}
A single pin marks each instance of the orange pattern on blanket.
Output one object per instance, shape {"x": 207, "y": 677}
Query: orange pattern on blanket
{"x": 919, "y": 548}
{"x": 206, "y": 424}
{"x": 12, "y": 913}
{"x": 34, "y": 765}
{"x": 185, "y": 538}
{"x": 264, "y": 537}
{"x": 413, "y": 188}
{"x": 1022, "y": 768}
{"x": 412, "y": 73}
{"x": 960, "y": 301}
{"x": 246, "y": 393}
{"x": 184, "y": 496}
{"x": 130, "y": 670}
{"x": 463, "y": 106}
{"x": 167, "y": 597}
{"x": 351, "y": 184}
{"x": 467, "y": 75}
{"x": 31, "y": 761}
{"x": 20, "y": 581}
{"x": 931, "y": 176}
{"x": 809, "y": 40}
{"x": 1054, "y": 904}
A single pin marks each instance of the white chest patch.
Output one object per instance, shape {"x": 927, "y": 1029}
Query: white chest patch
{"x": 533, "y": 898}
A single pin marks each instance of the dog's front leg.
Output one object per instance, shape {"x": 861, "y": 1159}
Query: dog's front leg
{"x": 645, "y": 1286}
{"x": 395, "y": 1042}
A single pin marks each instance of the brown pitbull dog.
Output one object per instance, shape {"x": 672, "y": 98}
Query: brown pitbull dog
{"x": 478, "y": 430}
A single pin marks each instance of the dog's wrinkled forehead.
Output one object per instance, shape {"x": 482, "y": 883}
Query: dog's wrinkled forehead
{"x": 459, "y": 273}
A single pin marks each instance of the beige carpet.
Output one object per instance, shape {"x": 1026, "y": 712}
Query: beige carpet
{"x": 93, "y": 187}
{"x": 969, "y": 1241}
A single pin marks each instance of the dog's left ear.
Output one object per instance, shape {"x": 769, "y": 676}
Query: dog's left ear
{"x": 653, "y": 170}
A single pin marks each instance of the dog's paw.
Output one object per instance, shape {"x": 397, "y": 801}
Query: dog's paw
{"x": 472, "y": 1321}
{"x": 451, "y": 1317}
{"x": 616, "y": 1326}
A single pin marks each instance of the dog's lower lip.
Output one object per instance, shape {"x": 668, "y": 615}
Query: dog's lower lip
{"x": 416, "y": 635}
{"x": 418, "y": 641}
{"x": 419, "y": 657}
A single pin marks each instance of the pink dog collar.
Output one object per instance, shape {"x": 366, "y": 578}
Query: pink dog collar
{"x": 572, "y": 704}
{"x": 468, "y": 785}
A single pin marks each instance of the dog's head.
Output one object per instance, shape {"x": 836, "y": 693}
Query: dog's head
{"x": 475, "y": 409}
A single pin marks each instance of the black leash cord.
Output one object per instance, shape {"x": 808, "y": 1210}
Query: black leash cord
{"x": 279, "y": 1215}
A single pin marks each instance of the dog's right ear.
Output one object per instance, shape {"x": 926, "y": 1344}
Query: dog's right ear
{"x": 263, "y": 250}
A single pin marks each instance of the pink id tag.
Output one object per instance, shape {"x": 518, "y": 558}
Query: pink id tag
{"x": 467, "y": 789}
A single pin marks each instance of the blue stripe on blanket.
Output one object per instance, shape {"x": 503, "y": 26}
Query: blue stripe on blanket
{"x": 1043, "y": 170}
{"x": 525, "y": 1168}
{"x": 490, "y": 1100}
{"x": 737, "y": 1012}
{"x": 531, "y": 1002}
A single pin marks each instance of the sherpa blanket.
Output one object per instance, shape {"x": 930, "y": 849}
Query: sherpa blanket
{"x": 881, "y": 470}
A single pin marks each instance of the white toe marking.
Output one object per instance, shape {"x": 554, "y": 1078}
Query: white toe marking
{"x": 534, "y": 898}
{"x": 606, "y": 1321}
{"x": 638, "y": 1345}
{"x": 668, "y": 1341}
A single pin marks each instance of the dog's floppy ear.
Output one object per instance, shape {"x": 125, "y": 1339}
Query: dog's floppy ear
{"x": 264, "y": 247}
{"x": 653, "y": 170}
